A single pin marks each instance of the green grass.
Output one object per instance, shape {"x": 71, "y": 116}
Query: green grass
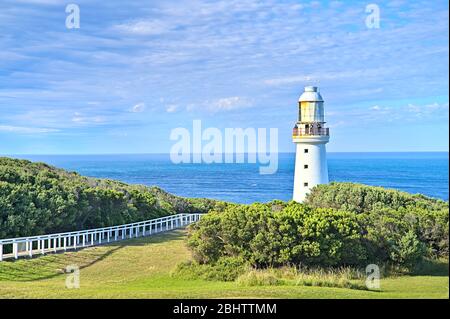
{"x": 141, "y": 268}
{"x": 340, "y": 278}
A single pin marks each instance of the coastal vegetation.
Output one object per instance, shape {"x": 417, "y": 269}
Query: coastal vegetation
{"x": 36, "y": 199}
{"x": 339, "y": 225}
{"x": 318, "y": 249}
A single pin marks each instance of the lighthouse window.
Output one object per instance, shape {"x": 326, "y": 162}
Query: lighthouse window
{"x": 306, "y": 150}
{"x": 305, "y": 166}
{"x": 305, "y": 184}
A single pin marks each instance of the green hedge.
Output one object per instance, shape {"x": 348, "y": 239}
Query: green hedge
{"x": 389, "y": 213}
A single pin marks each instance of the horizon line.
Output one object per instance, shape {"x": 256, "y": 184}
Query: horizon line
{"x": 106, "y": 154}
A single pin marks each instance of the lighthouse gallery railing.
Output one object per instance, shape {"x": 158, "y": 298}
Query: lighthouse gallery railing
{"x": 325, "y": 131}
{"x": 29, "y": 246}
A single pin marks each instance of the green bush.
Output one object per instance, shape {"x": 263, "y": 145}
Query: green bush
{"x": 341, "y": 224}
{"x": 360, "y": 198}
{"x": 408, "y": 251}
{"x": 296, "y": 234}
{"x": 389, "y": 214}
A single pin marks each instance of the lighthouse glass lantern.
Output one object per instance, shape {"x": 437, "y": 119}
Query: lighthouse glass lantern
{"x": 310, "y": 136}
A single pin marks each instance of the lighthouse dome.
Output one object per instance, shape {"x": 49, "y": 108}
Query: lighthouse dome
{"x": 311, "y": 94}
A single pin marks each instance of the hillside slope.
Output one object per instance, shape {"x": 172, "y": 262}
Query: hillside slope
{"x": 36, "y": 198}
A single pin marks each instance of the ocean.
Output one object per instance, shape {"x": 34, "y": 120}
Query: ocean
{"x": 425, "y": 173}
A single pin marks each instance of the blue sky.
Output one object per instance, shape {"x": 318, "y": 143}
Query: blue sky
{"x": 135, "y": 70}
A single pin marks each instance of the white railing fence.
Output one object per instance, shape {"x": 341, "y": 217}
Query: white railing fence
{"x": 29, "y": 246}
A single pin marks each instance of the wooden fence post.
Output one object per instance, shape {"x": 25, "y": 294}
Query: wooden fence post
{"x": 15, "y": 250}
{"x": 30, "y": 247}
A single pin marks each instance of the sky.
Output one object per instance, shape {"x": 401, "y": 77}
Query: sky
{"x": 136, "y": 70}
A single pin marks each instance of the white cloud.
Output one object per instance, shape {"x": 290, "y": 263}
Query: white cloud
{"x": 210, "y": 49}
{"x": 221, "y": 105}
{"x": 333, "y": 76}
{"x": 44, "y": 2}
{"x": 230, "y": 103}
{"x": 380, "y": 114}
{"x": 428, "y": 109}
{"x": 87, "y": 120}
{"x": 144, "y": 27}
{"x": 138, "y": 108}
{"x": 26, "y": 130}
{"x": 172, "y": 108}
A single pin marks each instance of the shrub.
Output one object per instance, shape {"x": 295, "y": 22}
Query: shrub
{"x": 408, "y": 251}
{"x": 296, "y": 234}
{"x": 389, "y": 214}
{"x": 341, "y": 224}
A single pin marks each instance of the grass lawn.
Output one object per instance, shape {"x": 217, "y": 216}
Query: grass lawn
{"x": 141, "y": 268}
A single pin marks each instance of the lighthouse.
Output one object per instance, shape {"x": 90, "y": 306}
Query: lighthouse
{"x": 310, "y": 136}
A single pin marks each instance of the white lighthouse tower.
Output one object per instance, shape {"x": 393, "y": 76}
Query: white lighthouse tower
{"x": 310, "y": 136}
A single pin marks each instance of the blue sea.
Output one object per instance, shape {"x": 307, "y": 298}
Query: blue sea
{"x": 425, "y": 173}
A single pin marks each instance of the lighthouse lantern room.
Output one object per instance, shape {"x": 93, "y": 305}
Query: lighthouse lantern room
{"x": 310, "y": 136}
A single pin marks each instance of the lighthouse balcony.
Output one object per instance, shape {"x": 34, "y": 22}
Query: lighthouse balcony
{"x": 297, "y": 132}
